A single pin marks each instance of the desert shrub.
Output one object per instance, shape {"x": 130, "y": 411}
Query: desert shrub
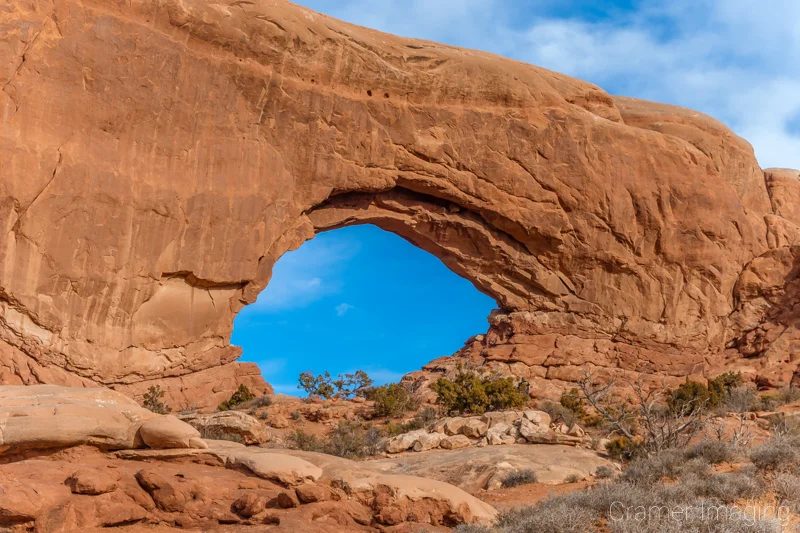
{"x": 774, "y": 454}
{"x": 238, "y": 398}
{"x": 152, "y": 400}
{"x": 261, "y": 401}
{"x": 619, "y": 507}
{"x": 263, "y": 415}
{"x": 392, "y": 400}
{"x": 648, "y": 470}
{"x": 625, "y": 449}
{"x": 558, "y": 413}
{"x": 604, "y": 472}
{"x": 731, "y": 487}
{"x": 573, "y": 402}
{"x": 742, "y": 399}
{"x": 787, "y": 488}
{"x": 524, "y": 476}
{"x": 300, "y": 440}
{"x": 553, "y": 515}
{"x": 427, "y": 415}
{"x": 344, "y": 386}
{"x": 721, "y": 386}
{"x": 469, "y": 392}
{"x": 572, "y": 478}
{"x": 788, "y": 394}
{"x": 689, "y": 397}
{"x": 712, "y": 451}
{"x": 296, "y": 415}
{"x": 218, "y": 433}
{"x": 351, "y": 440}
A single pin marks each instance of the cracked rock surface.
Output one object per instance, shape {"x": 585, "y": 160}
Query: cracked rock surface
{"x": 157, "y": 158}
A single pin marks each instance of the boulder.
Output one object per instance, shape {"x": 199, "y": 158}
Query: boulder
{"x": 311, "y": 493}
{"x": 427, "y": 441}
{"x": 169, "y": 432}
{"x": 474, "y": 428}
{"x": 576, "y": 431}
{"x": 455, "y": 442}
{"x": 493, "y": 418}
{"x": 453, "y": 425}
{"x": 398, "y": 499}
{"x": 47, "y": 416}
{"x": 278, "y": 421}
{"x": 228, "y": 424}
{"x": 92, "y": 481}
{"x": 539, "y": 418}
{"x": 249, "y": 505}
{"x": 404, "y": 442}
{"x": 285, "y": 469}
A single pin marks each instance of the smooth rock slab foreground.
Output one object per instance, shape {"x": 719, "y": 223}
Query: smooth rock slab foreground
{"x": 40, "y": 417}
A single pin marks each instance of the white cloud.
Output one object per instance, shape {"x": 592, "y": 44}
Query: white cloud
{"x": 735, "y": 60}
{"x": 308, "y": 274}
{"x": 343, "y": 308}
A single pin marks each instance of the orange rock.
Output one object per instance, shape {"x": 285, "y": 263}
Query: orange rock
{"x": 138, "y": 217}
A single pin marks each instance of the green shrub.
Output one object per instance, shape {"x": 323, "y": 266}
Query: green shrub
{"x": 689, "y": 397}
{"x": 625, "y": 449}
{"x": 239, "y": 397}
{"x": 344, "y": 386}
{"x": 392, "y": 400}
{"x": 152, "y": 400}
{"x": 468, "y": 392}
{"x": 573, "y": 402}
{"x": 720, "y": 387}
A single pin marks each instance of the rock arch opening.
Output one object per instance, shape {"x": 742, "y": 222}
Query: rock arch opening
{"x": 357, "y": 297}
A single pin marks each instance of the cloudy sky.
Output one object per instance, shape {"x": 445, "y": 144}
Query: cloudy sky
{"x": 327, "y": 307}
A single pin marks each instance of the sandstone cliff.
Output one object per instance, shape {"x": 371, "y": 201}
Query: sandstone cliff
{"x": 157, "y": 157}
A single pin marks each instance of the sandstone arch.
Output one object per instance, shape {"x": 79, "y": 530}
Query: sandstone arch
{"x": 158, "y": 157}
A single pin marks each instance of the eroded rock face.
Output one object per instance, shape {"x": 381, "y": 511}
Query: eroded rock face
{"x": 158, "y": 157}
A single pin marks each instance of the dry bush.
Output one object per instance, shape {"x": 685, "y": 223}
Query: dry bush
{"x": 650, "y": 415}
{"x": 712, "y": 451}
{"x": 349, "y": 439}
{"x": 787, "y": 489}
{"x": 523, "y": 476}
{"x": 731, "y": 487}
{"x": 604, "y": 472}
{"x": 775, "y": 454}
{"x": 218, "y": 433}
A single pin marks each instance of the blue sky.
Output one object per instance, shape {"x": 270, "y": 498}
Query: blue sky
{"x": 363, "y": 298}
{"x": 358, "y": 298}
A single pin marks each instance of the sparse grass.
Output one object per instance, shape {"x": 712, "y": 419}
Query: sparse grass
{"x": 216, "y": 433}
{"x": 516, "y": 478}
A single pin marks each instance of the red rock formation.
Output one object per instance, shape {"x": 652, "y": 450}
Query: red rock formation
{"x": 158, "y": 157}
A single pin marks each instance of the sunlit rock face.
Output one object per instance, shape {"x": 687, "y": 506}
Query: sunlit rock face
{"x": 158, "y": 157}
